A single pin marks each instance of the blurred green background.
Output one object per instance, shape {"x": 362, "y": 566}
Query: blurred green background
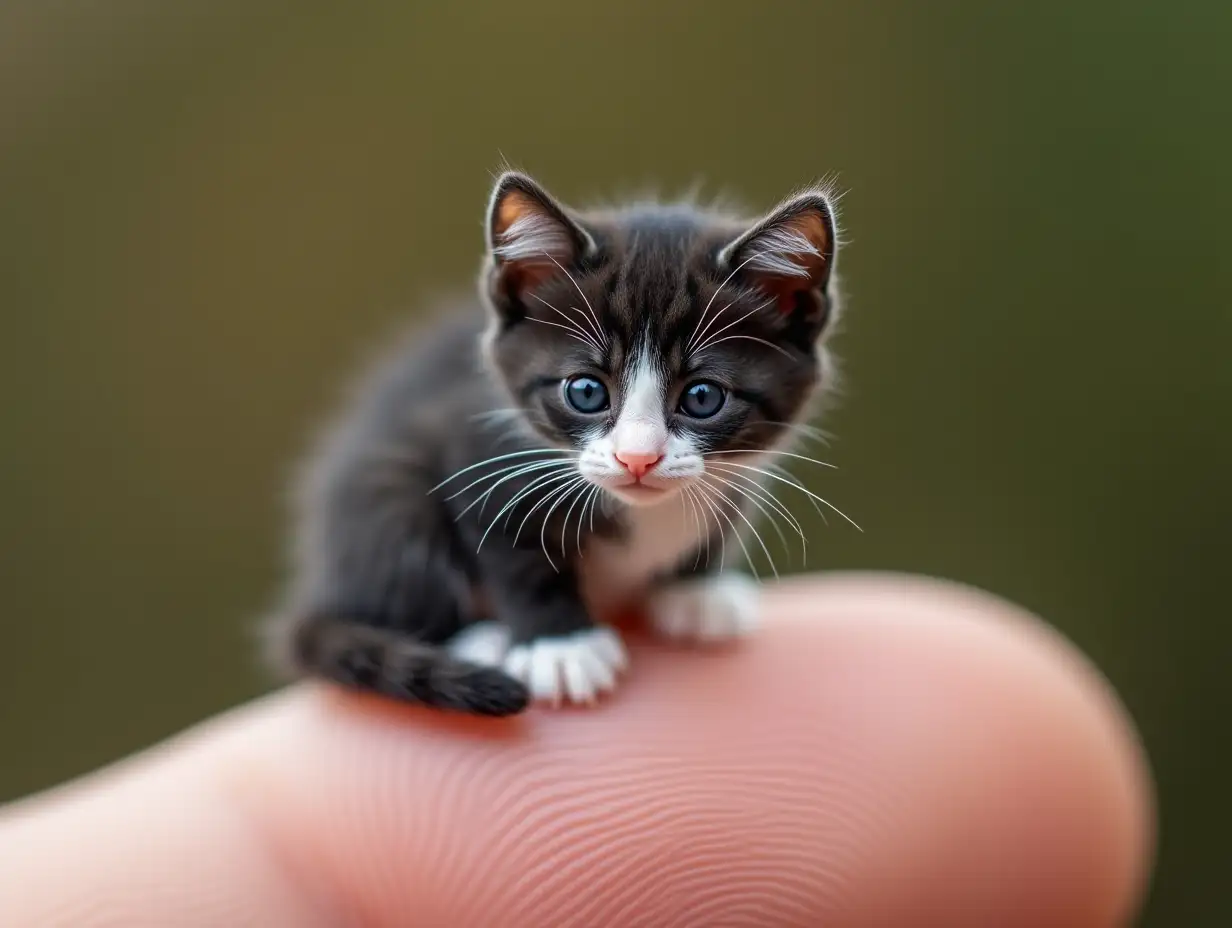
{"x": 209, "y": 212}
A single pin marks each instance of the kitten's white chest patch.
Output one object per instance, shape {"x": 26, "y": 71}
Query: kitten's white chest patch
{"x": 616, "y": 573}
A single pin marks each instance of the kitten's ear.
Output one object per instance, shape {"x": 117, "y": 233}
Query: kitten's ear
{"x": 790, "y": 255}
{"x": 531, "y": 237}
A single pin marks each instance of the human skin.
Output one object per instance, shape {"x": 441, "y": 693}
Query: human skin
{"x": 887, "y": 751}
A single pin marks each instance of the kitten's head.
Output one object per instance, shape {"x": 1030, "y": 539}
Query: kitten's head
{"x": 656, "y": 339}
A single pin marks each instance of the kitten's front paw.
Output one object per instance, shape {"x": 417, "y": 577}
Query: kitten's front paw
{"x": 574, "y": 668}
{"x": 709, "y": 610}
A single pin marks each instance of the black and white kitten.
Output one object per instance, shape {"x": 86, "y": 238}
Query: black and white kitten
{"x": 508, "y": 481}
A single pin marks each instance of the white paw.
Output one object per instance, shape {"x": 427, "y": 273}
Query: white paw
{"x": 711, "y": 610}
{"x": 482, "y": 643}
{"x": 575, "y": 668}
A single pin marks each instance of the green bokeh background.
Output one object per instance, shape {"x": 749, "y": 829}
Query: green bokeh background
{"x": 209, "y": 212}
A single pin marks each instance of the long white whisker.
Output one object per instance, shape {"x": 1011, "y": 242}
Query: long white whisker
{"x": 713, "y": 491}
{"x": 590, "y": 501}
{"x": 543, "y": 500}
{"x": 482, "y": 499}
{"x": 540, "y": 481}
{"x": 568, "y": 328}
{"x": 519, "y": 468}
{"x": 703, "y": 498}
{"x": 790, "y": 480}
{"x": 709, "y": 529}
{"x": 592, "y": 330}
{"x": 825, "y": 502}
{"x": 771, "y": 499}
{"x": 589, "y": 323}
{"x": 754, "y": 500}
{"x": 582, "y": 293}
{"x": 601, "y": 505}
{"x": 590, "y": 337}
{"x": 535, "y": 483}
{"x": 557, "y": 493}
{"x": 751, "y": 338}
{"x": 752, "y": 528}
{"x": 700, "y": 332}
{"x": 710, "y": 340}
{"x": 704, "y": 523}
{"x": 568, "y": 465}
{"x": 565, "y": 525}
{"x": 570, "y": 319}
{"x": 783, "y": 471}
{"x": 517, "y": 465}
{"x": 546, "y": 483}
{"x": 696, "y": 521}
{"x": 789, "y": 454}
{"x": 596, "y": 502}
{"x": 546, "y": 496}
{"x": 501, "y": 457}
{"x": 580, "y": 483}
{"x": 710, "y": 302}
{"x": 572, "y": 330}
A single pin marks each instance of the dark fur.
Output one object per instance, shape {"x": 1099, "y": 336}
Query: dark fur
{"x": 385, "y": 570}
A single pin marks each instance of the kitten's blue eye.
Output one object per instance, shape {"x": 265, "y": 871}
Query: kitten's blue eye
{"x": 585, "y": 394}
{"x": 702, "y": 400}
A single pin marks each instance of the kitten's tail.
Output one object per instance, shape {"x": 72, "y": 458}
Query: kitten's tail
{"x": 381, "y": 660}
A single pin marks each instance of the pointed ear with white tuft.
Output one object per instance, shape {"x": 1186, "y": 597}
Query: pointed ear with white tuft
{"x": 790, "y": 255}
{"x": 531, "y": 239}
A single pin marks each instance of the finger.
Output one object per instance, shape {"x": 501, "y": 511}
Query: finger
{"x": 887, "y": 751}
{"x": 153, "y": 841}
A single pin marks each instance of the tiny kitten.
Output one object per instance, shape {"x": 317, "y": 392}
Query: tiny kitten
{"x": 503, "y": 484}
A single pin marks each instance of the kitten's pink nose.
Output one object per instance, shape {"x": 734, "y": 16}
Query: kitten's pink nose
{"x": 638, "y": 463}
